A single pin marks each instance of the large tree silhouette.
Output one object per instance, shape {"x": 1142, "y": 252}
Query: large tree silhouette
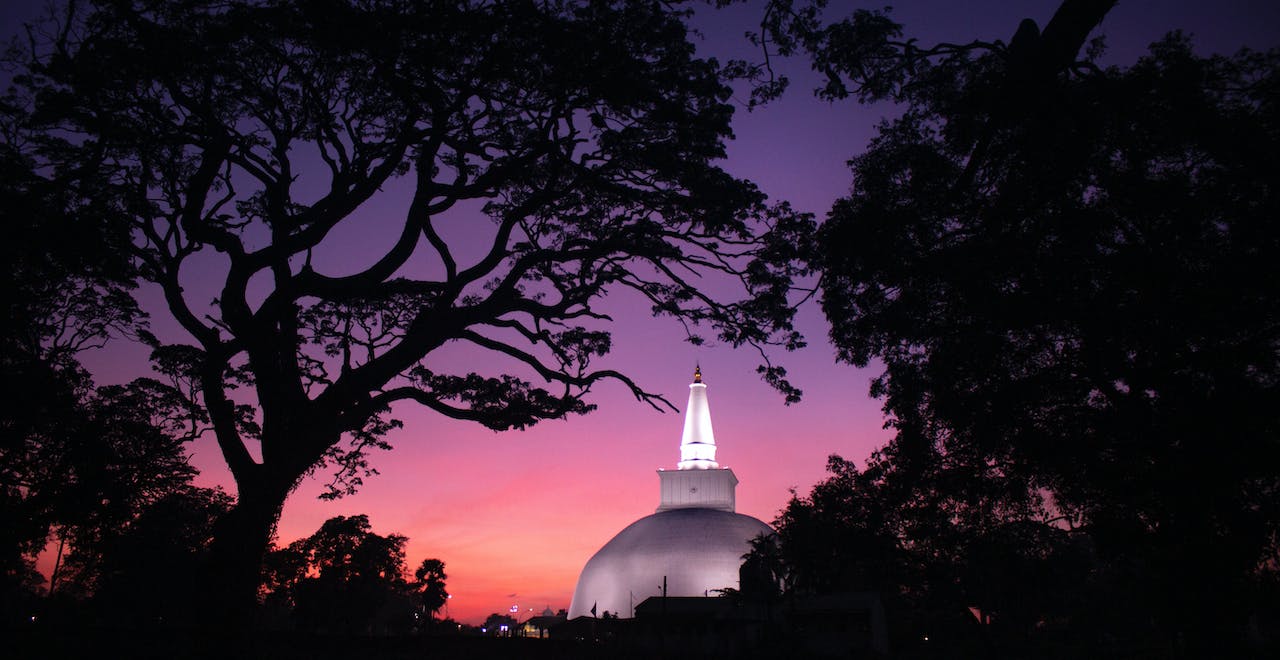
{"x": 548, "y": 153}
{"x": 1068, "y": 273}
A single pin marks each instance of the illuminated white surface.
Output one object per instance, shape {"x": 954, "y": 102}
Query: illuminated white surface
{"x": 709, "y": 489}
{"x": 698, "y": 550}
{"x": 698, "y": 443}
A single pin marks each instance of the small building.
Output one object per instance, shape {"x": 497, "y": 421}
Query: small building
{"x": 540, "y": 627}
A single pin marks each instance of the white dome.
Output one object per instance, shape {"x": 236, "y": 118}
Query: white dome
{"x": 698, "y": 550}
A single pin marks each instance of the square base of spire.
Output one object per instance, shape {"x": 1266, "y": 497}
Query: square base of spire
{"x": 698, "y": 489}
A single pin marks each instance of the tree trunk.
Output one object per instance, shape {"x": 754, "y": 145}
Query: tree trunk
{"x": 240, "y": 541}
{"x": 57, "y": 562}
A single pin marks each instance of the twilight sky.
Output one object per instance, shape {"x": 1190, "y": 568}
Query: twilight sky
{"x": 515, "y": 515}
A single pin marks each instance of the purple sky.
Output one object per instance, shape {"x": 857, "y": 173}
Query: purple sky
{"x": 516, "y": 515}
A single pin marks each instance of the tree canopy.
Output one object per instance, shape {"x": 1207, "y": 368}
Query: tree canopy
{"x": 347, "y": 578}
{"x": 1067, "y": 271}
{"x": 86, "y": 465}
{"x": 548, "y": 153}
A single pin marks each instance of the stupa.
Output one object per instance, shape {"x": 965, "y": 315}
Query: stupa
{"x": 694, "y": 542}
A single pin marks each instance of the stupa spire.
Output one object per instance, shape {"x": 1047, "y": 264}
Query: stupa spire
{"x": 698, "y": 443}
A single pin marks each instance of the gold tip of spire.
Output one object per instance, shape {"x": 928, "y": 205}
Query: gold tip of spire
{"x": 697, "y": 373}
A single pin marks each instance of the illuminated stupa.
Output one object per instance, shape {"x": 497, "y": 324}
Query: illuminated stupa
{"x": 695, "y": 540}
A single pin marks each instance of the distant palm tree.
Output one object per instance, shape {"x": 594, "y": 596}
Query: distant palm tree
{"x": 429, "y": 584}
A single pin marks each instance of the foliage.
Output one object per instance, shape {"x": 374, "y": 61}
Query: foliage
{"x": 35, "y": 420}
{"x": 346, "y": 578}
{"x": 763, "y": 573}
{"x": 548, "y": 153}
{"x": 120, "y": 460}
{"x": 84, "y": 464}
{"x": 68, "y": 275}
{"x": 974, "y": 580}
{"x": 143, "y": 575}
{"x": 103, "y": 470}
{"x": 60, "y": 297}
{"x": 81, "y": 462}
{"x": 1068, "y": 275}
{"x": 429, "y": 585}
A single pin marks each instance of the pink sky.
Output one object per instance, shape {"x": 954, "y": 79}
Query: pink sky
{"x": 521, "y": 512}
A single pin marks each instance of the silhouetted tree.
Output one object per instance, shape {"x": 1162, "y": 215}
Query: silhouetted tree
{"x": 548, "y": 153}
{"x": 89, "y": 478}
{"x": 125, "y": 452}
{"x": 144, "y": 574}
{"x": 429, "y": 585}
{"x": 763, "y": 573}
{"x": 83, "y": 463}
{"x": 1068, "y": 273}
{"x": 343, "y": 578}
{"x": 61, "y": 296}
{"x": 87, "y": 481}
{"x": 975, "y": 580}
{"x": 38, "y": 416}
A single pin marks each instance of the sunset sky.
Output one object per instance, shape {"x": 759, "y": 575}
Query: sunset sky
{"x": 515, "y": 515}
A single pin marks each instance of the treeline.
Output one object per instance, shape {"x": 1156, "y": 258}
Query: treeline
{"x": 960, "y": 576}
{"x": 347, "y": 579}
{"x": 97, "y": 475}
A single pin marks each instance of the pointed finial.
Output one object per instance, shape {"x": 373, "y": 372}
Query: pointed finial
{"x": 697, "y": 373}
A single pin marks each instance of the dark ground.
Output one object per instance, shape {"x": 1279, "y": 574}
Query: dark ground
{"x": 286, "y": 646}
